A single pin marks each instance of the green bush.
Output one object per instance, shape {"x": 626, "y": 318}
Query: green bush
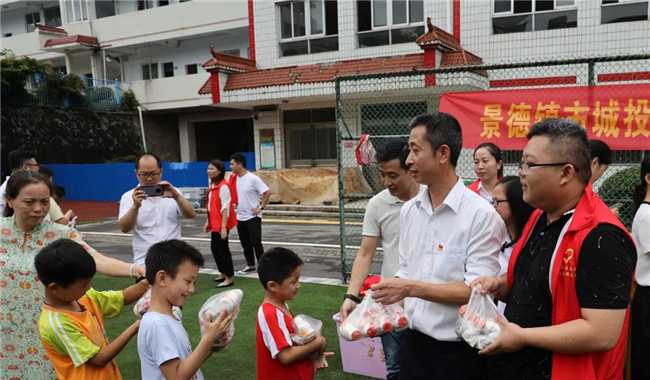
{"x": 618, "y": 189}
{"x": 129, "y": 102}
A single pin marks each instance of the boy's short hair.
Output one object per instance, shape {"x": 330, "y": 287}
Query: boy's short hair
{"x": 63, "y": 262}
{"x": 276, "y": 264}
{"x": 168, "y": 255}
{"x": 59, "y": 191}
{"x": 239, "y": 158}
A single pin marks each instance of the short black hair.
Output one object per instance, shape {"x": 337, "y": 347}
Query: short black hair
{"x": 441, "y": 129}
{"x": 168, "y": 255}
{"x": 63, "y": 262}
{"x": 394, "y": 148}
{"x": 158, "y": 160}
{"x": 46, "y": 171}
{"x": 59, "y": 191}
{"x": 239, "y": 158}
{"x": 599, "y": 149}
{"x": 567, "y": 142}
{"x": 18, "y": 157}
{"x": 276, "y": 264}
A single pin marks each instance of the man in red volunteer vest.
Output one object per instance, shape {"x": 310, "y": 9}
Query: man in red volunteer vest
{"x": 567, "y": 288}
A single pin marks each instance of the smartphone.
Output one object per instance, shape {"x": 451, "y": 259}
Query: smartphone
{"x": 153, "y": 190}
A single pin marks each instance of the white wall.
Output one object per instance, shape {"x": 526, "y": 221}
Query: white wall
{"x": 189, "y": 51}
{"x": 589, "y": 38}
{"x": 173, "y": 92}
{"x": 267, "y": 36}
{"x": 14, "y": 22}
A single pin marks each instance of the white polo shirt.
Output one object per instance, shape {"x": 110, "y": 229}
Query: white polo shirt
{"x": 382, "y": 220}
{"x": 158, "y": 219}
{"x": 458, "y": 241}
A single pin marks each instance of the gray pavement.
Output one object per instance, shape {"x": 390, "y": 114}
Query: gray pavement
{"x": 317, "y": 244}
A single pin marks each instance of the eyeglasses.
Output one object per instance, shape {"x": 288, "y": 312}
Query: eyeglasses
{"x": 31, "y": 165}
{"x": 147, "y": 175}
{"x": 524, "y": 167}
{"x": 494, "y": 202}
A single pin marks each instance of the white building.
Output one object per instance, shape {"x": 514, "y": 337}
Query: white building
{"x": 156, "y": 47}
{"x": 300, "y": 46}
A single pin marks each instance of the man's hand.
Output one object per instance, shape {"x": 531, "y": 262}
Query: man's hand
{"x": 138, "y": 271}
{"x": 495, "y": 285}
{"x": 256, "y": 211}
{"x": 347, "y": 307}
{"x": 391, "y": 290}
{"x": 511, "y": 339}
{"x": 138, "y": 196}
{"x": 169, "y": 190}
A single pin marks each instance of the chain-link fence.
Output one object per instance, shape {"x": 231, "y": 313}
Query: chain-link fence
{"x": 608, "y": 95}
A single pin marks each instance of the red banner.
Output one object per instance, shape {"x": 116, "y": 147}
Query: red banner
{"x": 616, "y": 114}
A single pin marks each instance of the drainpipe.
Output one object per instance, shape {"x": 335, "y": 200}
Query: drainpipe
{"x": 144, "y": 141}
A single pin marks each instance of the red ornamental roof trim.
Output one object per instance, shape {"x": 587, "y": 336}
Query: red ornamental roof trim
{"x": 437, "y": 36}
{"x": 51, "y": 29}
{"x": 77, "y": 38}
{"x": 229, "y": 62}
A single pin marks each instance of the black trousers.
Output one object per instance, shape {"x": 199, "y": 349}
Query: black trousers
{"x": 250, "y": 236}
{"x": 426, "y": 358}
{"x": 640, "y": 365}
{"x": 221, "y": 254}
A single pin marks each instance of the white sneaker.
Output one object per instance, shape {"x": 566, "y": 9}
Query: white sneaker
{"x": 247, "y": 269}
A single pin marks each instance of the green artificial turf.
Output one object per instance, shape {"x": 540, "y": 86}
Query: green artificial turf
{"x": 237, "y": 361}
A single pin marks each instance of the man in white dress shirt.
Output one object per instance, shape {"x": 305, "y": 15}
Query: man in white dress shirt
{"x": 156, "y": 218}
{"x": 449, "y": 237}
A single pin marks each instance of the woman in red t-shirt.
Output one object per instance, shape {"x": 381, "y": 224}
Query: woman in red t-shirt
{"x": 221, "y": 219}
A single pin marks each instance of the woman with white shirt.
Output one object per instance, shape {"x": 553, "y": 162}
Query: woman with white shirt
{"x": 640, "y": 366}
{"x": 221, "y": 219}
{"x": 488, "y": 166}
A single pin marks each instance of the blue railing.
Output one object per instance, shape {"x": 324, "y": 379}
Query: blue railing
{"x": 94, "y": 94}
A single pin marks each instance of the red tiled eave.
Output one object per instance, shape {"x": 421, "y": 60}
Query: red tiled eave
{"x": 206, "y": 89}
{"x": 321, "y": 72}
{"x": 229, "y": 62}
{"x": 437, "y": 36}
{"x": 77, "y": 38}
{"x": 51, "y": 29}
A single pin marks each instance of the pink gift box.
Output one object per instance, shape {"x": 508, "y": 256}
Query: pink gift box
{"x": 363, "y": 356}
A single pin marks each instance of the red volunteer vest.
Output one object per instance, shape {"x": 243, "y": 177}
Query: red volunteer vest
{"x": 604, "y": 365}
{"x": 215, "y": 204}
{"x": 474, "y": 186}
{"x": 232, "y": 185}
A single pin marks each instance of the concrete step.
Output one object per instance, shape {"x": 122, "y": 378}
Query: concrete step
{"x": 310, "y": 214}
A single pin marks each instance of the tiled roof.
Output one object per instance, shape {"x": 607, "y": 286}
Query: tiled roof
{"x": 51, "y": 29}
{"x": 207, "y": 87}
{"x": 323, "y": 72}
{"x": 229, "y": 62}
{"x": 437, "y": 36}
{"x": 77, "y": 38}
{"x": 459, "y": 58}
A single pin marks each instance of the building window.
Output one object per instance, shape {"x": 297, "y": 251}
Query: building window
{"x": 387, "y": 22}
{"x": 52, "y": 16}
{"x": 76, "y": 10}
{"x": 613, "y": 11}
{"x": 168, "y": 69}
{"x": 162, "y": 3}
{"x": 308, "y": 26}
{"x": 31, "y": 19}
{"x": 150, "y": 71}
{"x": 7, "y": 35}
{"x": 144, "y": 4}
{"x": 233, "y": 52}
{"x": 310, "y": 137}
{"x": 191, "y": 69}
{"x": 511, "y": 16}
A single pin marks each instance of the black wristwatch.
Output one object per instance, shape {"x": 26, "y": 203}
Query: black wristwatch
{"x": 352, "y": 297}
